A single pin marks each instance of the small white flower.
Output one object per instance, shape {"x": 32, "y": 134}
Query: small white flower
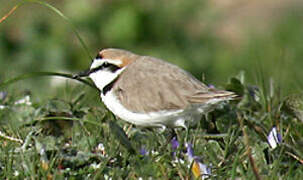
{"x": 154, "y": 152}
{"x": 101, "y": 149}
{"x": 95, "y": 166}
{"x": 25, "y": 100}
{"x": 176, "y": 161}
{"x": 66, "y": 145}
{"x": 106, "y": 177}
{"x": 2, "y": 107}
{"x": 16, "y": 173}
{"x": 274, "y": 138}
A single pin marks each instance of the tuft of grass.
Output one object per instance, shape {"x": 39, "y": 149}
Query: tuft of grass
{"x": 71, "y": 138}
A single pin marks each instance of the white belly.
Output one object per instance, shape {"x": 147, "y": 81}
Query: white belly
{"x": 154, "y": 119}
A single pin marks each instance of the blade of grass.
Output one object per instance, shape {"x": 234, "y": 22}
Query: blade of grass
{"x": 235, "y": 165}
{"x": 262, "y": 82}
{"x": 58, "y": 12}
{"x": 2, "y": 135}
{"x": 248, "y": 148}
{"x": 39, "y": 74}
{"x": 10, "y": 12}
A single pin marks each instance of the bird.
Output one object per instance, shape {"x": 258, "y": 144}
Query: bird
{"x": 150, "y": 92}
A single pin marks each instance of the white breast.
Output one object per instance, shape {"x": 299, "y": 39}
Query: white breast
{"x": 154, "y": 119}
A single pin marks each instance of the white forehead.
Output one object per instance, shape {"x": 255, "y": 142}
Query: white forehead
{"x": 99, "y": 62}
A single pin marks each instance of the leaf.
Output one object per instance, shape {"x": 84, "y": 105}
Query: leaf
{"x": 293, "y": 104}
{"x": 236, "y": 86}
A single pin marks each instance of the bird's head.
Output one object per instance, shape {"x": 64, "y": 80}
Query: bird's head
{"x": 107, "y": 66}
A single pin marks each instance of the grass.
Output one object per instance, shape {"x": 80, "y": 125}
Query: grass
{"x": 69, "y": 137}
{"x": 73, "y": 135}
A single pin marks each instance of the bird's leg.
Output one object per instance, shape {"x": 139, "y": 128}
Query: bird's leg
{"x": 212, "y": 129}
{"x": 207, "y": 116}
{"x": 211, "y": 120}
{"x": 169, "y": 138}
{"x": 120, "y": 135}
{"x": 171, "y": 134}
{"x": 127, "y": 128}
{"x": 187, "y": 131}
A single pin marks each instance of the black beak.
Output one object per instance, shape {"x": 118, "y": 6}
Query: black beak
{"x": 82, "y": 74}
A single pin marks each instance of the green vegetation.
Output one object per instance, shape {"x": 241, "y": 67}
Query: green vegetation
{"x": 53, "y": 129}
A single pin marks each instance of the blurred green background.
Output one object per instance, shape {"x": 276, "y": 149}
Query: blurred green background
{"x": 214, "y": 38}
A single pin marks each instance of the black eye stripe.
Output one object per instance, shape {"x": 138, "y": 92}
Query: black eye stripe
{"x": 99, "y": 56}
{"x": 107, "y": 66}
{"x": 113, "y": 68}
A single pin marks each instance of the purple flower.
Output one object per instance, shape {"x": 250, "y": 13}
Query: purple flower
{"x": 254, "y": 92}
{"x": 211, "y": 86}
{"x": 174, "y": 143}
{"x": 274, "y": 138}
{"x": 190, "y": 152}
{"x": 198, "y": 168}
{"x": 3, "y": 95}
{"x": 143, "y": 151}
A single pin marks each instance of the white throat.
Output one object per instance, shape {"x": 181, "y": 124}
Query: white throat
{"x": 102, "y": 78}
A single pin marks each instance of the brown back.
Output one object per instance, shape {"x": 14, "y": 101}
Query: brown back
{"x": 150, "y": 85}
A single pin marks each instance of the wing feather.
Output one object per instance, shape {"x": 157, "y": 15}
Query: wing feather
{"x": 151, "y": 85}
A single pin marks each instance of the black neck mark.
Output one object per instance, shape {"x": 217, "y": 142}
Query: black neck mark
{"x": 109, "y": 86}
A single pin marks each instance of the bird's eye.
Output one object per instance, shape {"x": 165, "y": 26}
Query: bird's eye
{"x": 105, "y": 64}
{"x": 99, "y": 56}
